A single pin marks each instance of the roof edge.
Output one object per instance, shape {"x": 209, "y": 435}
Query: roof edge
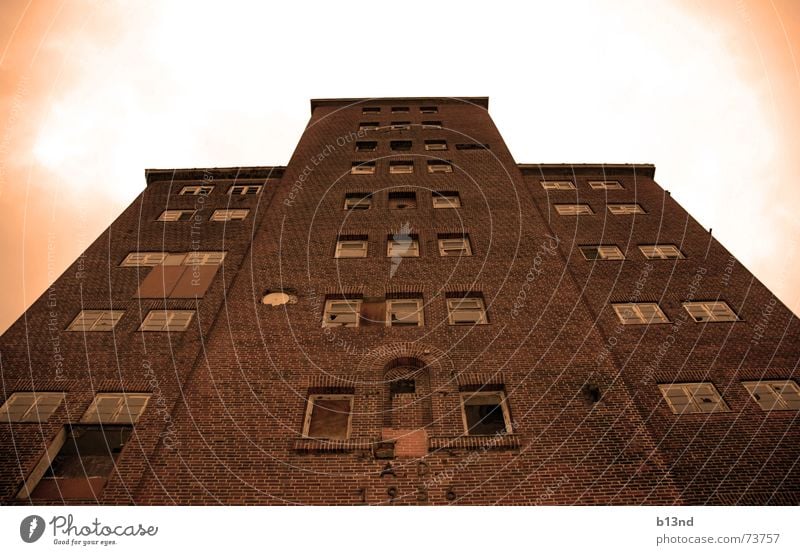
{"x": 482, "y": 101}
{"x": 647, "y": 170}
{"x": 236, "y": 172}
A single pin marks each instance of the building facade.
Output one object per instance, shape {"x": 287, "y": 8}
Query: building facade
{"x": 403, "y": 315}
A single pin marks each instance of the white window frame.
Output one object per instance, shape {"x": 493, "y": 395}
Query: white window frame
{"x": 368, "y": 127}
{"x": 174, "y": 215}
{"x": 121, "y": 413}
{"x": 358, "y": 203}
{"x": 604, "y": 252}
{"x": 324, "y": 397}
{"x": 401, "y": 167}
{"x": 662, "y": 252}
{"x": 95, "y": 320}
{"x": 136, "y": 259}
{"x": 402, "y": 248}
{"x": 694, "y": 394}
{"x": 204, "y": 258}
{"x": 625, "y": 209}
{"x": 229, "y": 215}
{"x": 500, "y": 395}
{"x": 173, "y": 320}
{"x": 38, "y": 406}
{"x": 362, "y": 169}
{"x": 449, "y": 200}
{"x": 394, "y": 306}
{"x": 437, "y": 145}
{"x": 573, "y": 209}
{"x": 710, "y": 311}
{"x": 455, "y": 247}
{"x": 557, "y": 185}
{"x": 466, "y": 304}
{"x": 234, "y": 190}
{"x": 644, "y": 312}
{"x": 773, "y": 394}
{"x": 335, "y": 306}
{"x": 607, "y": 185}
{"x": 351, "y": 248}
{"x": 197, "y": 190}
{"x": 440, "y": 167}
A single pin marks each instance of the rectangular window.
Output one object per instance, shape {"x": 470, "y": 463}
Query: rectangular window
{"x": 454, "y": 246}
{"x": 467, "y": 310}
{"x": 429, "y": 109}
{"x": 200, "y": 258}
{"x": 229, "y": 215}
{"x": 403, "y": 246}
{"x": 622, "y": 209}
{"x": 436, "y": 144}
{"x": 605, "y": 185}
{"x": 710, "y": 311}
{"x": 640, "y": 313}
{"x": 439, "y": 166}
{"x": 167, "y": 320}
{"x": 774, "y": 394}
{"x": 181, "y": 276}
{"x": 29, "y": 406}
{"x": 602, "y": 252}
{"x": 197, "y": 190}
{"x": 431, "y": 124}
{"x": 691, "y": 398}
{"x": 116, "y": 408}
{"x": 472, "y": 146}
{"x": 404, "y": 312}
{"x": 573, "y": 209}
{"x": 661, "y": 251}
{"x": 446, "y": 199}
{"x": 366, "y": 146}
{"x": 245, "y": 190}
{"x": 557, "y": 185}
{"x": 371, "y": 110}
{"x": 351, "y": 246}
{"x": 176, "y": 215}
{"x": 485, "y": 413}
{"x": 328, "y": 416}
{"x": 401, "y": 125}
{"x": 95, "y": 320}
{"x": 400, "y": 145}
{"x": 400, "y": 109}
{"x": 341, "y": 312}
{"x": 135, "y": 259}
{"x": 368, "y": 126}
{"x": 401, "y": 166}
{"x": 362, "y": 168}
{"x": 402, "y": 201}
{"x": 358, "y": 201}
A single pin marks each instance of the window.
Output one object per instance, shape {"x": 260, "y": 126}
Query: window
{"x": 710, "y": 311}
{"x": 429, "y": 109}
{"x": 366, "y": 146}
{"x": 602, "y": 252}
{"x": 351, "y": 247}
{"x": 485, "y": 413}
{"x": 557, "y": 185}
{"x": 402, "y": 201}
{"x": 181, "y": 276}
{"x": 436, "y": 144}
{"x": 661, "y": 251}
{"x": 404, "y": 312}
{"x": 357, "y": 201}
{"x": 342, "y": 312}
{"x": 472, "y": 146}
{"x": 368, "y": 126}
{"x": 446, "y": 199}
{"x": 401, "y": 125}
{"x": 605, "y": 185}
{"x": 371, "y": 110}
{"x": 454, "y": 245}
{"x": 362, "y": 168}
{"x": 439, "y": 166}
{"x": 30, "y": 406}
{"x": 176, "y": 215}
{"x": 622, "y": 209}
{"x": 229, "y": 215}
{"x": 328, "y": 416}
{"x": 95, "y": 320}
{"x": 689, "y": 398}
{"x": 197, "y": 190}
{"x": 573, "y": 209}
{"x": 135, "y": 259}
{"x": 400, "y": 109}
{"x": 403, "y": 246}
{"x": 640, "y": 313}
{"x": 116, "y": 408}
{"x": 467, "y": 310}
{"x": 400, "y": 145}
{"x": 431, "y": 124}
{"x": 167, "y": 320}
{"x": 198, "y": 258}
{"x": 245, "y": 190}
{"x": 775, "y": 394}
{"x": 401, "y": 166}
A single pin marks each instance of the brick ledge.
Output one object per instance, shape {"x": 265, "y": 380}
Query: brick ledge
{"x": 507, "y": 441}
{"x": 331, "y": 445}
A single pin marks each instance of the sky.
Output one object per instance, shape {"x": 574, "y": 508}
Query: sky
{"x": 92, "y": 93}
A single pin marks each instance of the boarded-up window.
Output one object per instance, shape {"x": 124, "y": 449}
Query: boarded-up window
{"x": 181, "y": 276}
{"x": 116, "y": 408}
{"x": 485, "y": 413}
{"x": 328, "y": 416}
{"x": 373, "y": 313}
{"x": 775, "y": 394}
{"x": 29, "y": 406}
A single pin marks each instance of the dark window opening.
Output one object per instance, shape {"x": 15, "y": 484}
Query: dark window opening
{"x": 472, "y": 146}
{"x": 402, "y": 201}
{"x": 366, "y": 146}
{"x": 400, "y": 145}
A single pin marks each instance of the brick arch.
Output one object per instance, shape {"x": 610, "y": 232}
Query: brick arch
{"x": 382, "y": 360}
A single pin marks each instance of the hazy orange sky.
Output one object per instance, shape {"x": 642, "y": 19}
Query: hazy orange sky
{"x": 92, "y": 93}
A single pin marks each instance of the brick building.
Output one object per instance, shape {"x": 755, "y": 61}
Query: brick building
{"x": 402, "y": 314}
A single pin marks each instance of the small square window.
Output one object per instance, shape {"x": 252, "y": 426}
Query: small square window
{"x": 371, "y": 110}
{"x": 401, "y": 166}
{"x": 95, "y": 320}
{"x": 710, "y": 311}
{"x": 351, "y": 247}
{"x": 431, "y": 124}
{"x": 402, "y": 246}
{"x": 29, "y": 406}
{"x": 466, "y": 311}
{"x": 402, "y": 201}
{"x": 640, "y": 313}
{"x": 135, "y": 259}
{"x": 605, "y": 185}
{"x": 485, "y": 413}
{"x": 362, "y": 168}
{"x": 429, "y": 109}
{"x": 446, "y": 199}
{"x": 573, "y": 209}
{"x": 400, "y": 145}
{"x": 197, "y": 190}
{"x": 366, "y": 146}
{"x": 557, "y": 185}
{"x": 400, "y": 109}
{"x": 439, "y": 166}
{"x": 404, "y": 312}
{"x": 116, "y": 408}
{"x": 602, "y": 252}
{"x": 436, "y": 144}
{"x": 454, "y": 246}
{"x": 664, "y": 252}
{"x": 622, "y": 209}
{"x": 328, "y": 417}
{"x": 400, "y": 125}
{"x": 341, "y": 313}
{"x": 245, "y": 190}
{"x": 368, "y": 126}
{"x": 358, "y": 201}
{"x": 228, "y": 215}
{"x": 167, "y": 320}
{"x": 176, "y": 215}
{"x": 774, "y": 394}
{"x": 690, "y": 398}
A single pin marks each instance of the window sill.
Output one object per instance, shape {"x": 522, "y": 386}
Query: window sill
{"x": 483, "y": 443}
{"x": 307, "y": 444}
